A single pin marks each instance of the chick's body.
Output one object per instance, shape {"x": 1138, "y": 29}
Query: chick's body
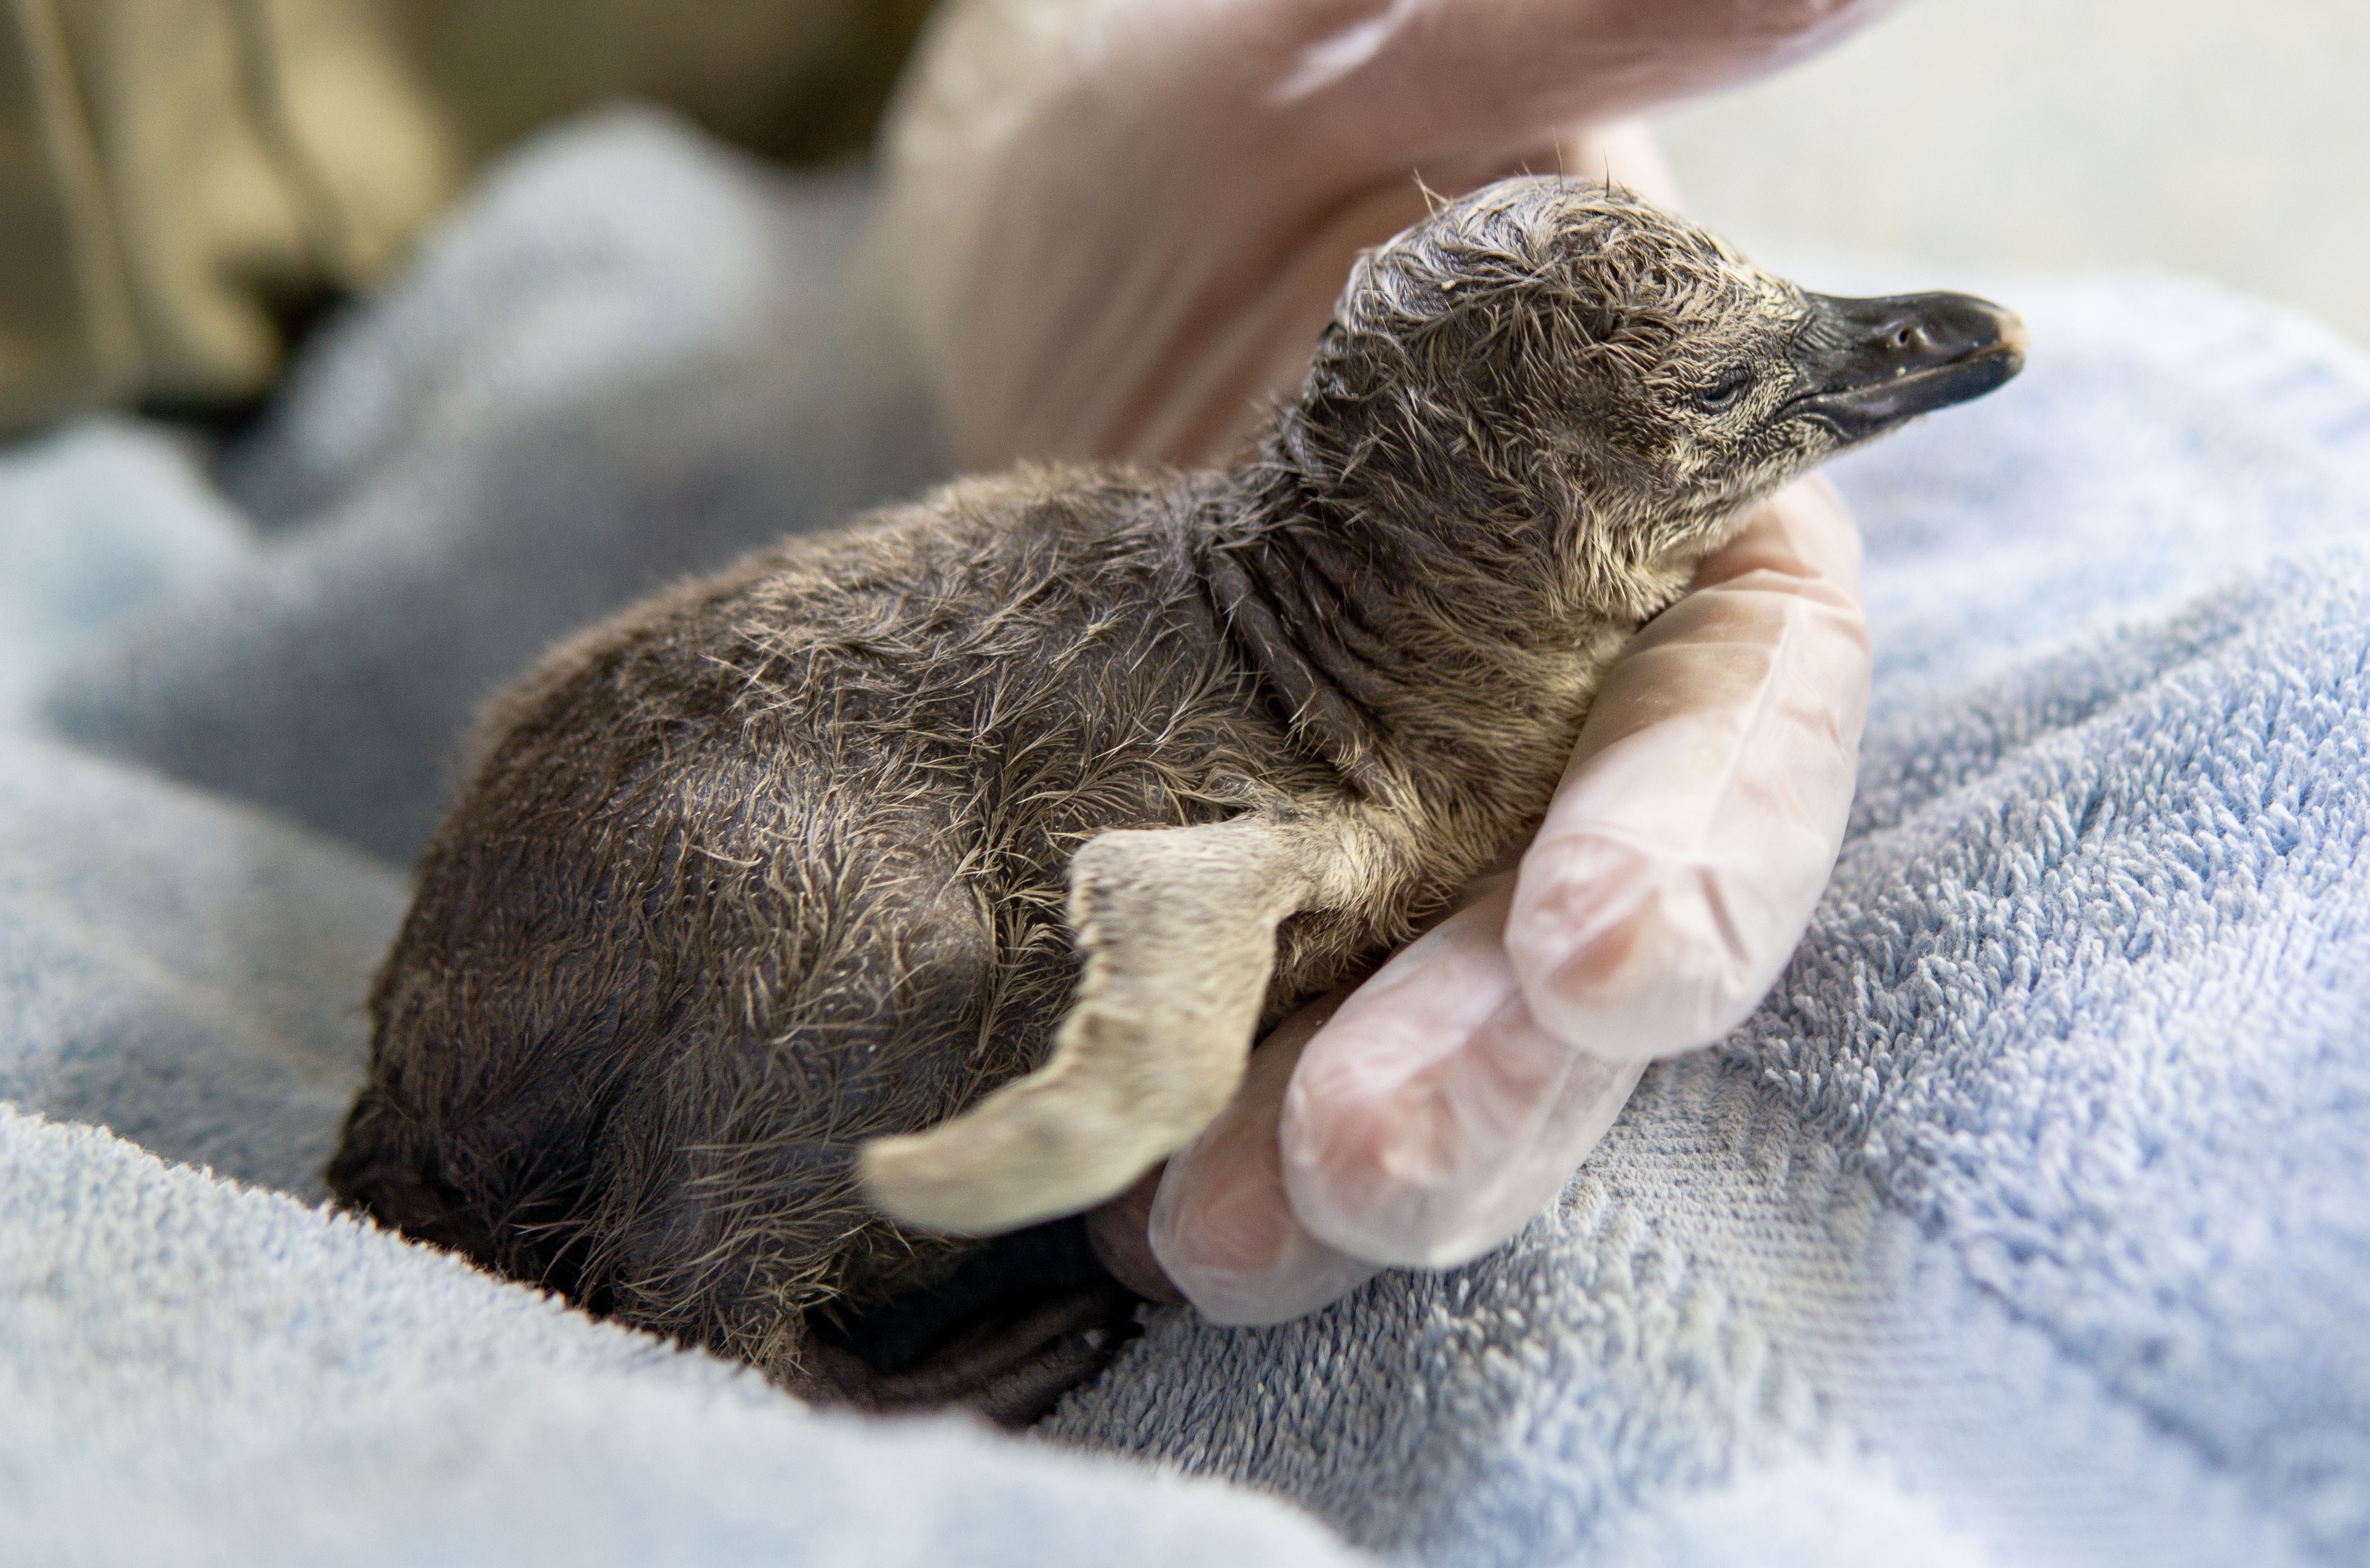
{"x": 1009, "y": 815}
{"x": 778, "y": 864}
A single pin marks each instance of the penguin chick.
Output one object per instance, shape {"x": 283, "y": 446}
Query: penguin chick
{"x": 933, "y": 878}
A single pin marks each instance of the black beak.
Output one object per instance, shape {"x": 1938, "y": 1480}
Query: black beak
{"x": 1869, "y": 365}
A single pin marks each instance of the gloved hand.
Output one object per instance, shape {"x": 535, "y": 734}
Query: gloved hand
{"x": 1427, "y": 1118}
{"x": 1115, "y": 226}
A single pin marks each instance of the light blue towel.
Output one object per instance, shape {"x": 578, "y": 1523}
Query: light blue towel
{"x": 2028, "y": 1223}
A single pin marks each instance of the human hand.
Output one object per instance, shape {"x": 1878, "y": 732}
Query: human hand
{"x": 1115, "y": 227}
{"x": 1425, "y": 1118}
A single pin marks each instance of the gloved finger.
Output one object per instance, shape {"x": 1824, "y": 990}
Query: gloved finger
{"x": 1431, "y": 1117}
{"x": 1113, "y": 228}
{"x": 1221, "y": 1228}
{"x": 1674, "y": 873}
{"x": 1119, "y": 1233}
{"x": 1689, "y": 841}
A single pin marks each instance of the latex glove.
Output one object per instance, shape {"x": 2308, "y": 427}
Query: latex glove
{"x": 1115, "y": 226}
{"x": 1435, "y": 1111}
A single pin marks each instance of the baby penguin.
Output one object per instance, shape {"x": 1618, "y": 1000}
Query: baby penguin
{"x": 932, "y": 879}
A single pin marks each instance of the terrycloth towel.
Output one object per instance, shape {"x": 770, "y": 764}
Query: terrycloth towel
{"x": 2025, "y": 1224}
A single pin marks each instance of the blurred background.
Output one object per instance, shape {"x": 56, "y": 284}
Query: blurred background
{"x": 186, "y": 184}
{"x": 2198, "y": 135}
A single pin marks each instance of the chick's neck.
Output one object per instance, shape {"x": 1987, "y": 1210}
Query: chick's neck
{"x": 1412, "y": 668}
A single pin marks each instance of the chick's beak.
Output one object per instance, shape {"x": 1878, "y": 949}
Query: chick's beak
{"x": 1869, "y": 365}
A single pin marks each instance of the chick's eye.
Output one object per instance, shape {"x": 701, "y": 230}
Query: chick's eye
{"x": 1725, "y": 392}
